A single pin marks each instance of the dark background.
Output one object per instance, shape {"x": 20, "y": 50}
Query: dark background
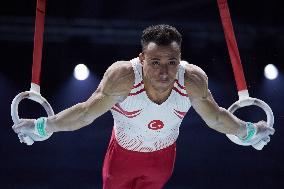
{"x": 99, "y": 33}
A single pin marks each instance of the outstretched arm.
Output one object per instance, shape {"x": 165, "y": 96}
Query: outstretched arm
{"x": 114, "y": 88}
{"x": 217, "y": 118}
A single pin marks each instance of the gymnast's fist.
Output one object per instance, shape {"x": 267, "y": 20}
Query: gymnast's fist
{"x": 263, "y": 131}
{"x": 26, "y": 127}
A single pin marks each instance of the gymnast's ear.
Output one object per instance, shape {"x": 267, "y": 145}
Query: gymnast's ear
{"x": 142, "y": 57}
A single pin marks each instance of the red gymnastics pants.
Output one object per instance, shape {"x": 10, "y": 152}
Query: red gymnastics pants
{"x": 125, "y": 169}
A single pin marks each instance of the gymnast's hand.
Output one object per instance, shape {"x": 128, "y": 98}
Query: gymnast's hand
{"x": 262, "y": 137}
{"x": 26, "y": 127}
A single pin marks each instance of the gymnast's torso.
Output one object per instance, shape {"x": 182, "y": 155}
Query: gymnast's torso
{"x": 144, "y": 126}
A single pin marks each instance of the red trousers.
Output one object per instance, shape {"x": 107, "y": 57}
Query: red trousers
{"x": 125, "y": 169}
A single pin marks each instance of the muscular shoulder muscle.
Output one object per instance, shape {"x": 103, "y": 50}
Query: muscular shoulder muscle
{"x": 114, "y": 87}
{"x": 118, "y": 80}
{"x": 196, "y": 83}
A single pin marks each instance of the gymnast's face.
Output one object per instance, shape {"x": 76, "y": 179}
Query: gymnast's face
{"x": 160, "y": 65}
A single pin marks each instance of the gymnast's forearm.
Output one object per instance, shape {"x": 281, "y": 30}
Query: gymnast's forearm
{"x": 81, "y": 114}
{"x": 69, "y": 119}
{"x": 227, "y": 123}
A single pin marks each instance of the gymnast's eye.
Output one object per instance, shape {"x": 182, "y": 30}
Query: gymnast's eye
{"x": 155, "y": 63}
{"x": 172, "y": 63}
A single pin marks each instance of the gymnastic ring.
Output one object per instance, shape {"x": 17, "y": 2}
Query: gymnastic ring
{"x": 34, "y": 96}
{"x": 248, "y": 102}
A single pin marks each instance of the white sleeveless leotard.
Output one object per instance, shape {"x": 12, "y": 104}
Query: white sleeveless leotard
{"x": 144, "y": 126}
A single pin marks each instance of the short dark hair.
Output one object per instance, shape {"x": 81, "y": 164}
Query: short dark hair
{"x": 161, "y": 34}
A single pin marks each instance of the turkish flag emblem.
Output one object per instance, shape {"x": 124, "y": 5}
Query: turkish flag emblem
{"x": 156, "y": 125}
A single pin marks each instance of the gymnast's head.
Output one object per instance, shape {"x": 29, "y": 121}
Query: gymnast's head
{"x": 160, "y": 56}
{"x": 162, "y": 35}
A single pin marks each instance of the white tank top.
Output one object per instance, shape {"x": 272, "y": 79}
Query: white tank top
{"x": 144, "y": 126}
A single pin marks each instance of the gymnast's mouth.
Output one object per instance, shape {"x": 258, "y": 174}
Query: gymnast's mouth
{"x": 164, "y": 80}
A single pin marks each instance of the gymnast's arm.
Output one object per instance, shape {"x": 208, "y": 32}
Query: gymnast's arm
{"x": 113, "y": 88}
{"x": 217, "y": 118}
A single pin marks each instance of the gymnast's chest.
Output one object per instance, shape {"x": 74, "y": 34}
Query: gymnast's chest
{"x": 142, "y": 111}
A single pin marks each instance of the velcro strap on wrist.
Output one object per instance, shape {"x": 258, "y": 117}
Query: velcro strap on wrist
{"x": 40, "y": 125}
{"x": 251, "y": 131}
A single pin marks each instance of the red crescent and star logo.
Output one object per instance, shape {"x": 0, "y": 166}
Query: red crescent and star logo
{"x": 156, "y": 125}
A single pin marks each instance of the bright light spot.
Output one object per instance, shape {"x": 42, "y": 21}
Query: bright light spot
{"x": 270, "y": 72}
{"x": 81, "y": 72}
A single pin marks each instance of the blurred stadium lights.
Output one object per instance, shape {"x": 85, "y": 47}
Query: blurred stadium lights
{"x": 271, "y": 71}
{"x": 72, "y": 91}
{"x": 81, "y": 72}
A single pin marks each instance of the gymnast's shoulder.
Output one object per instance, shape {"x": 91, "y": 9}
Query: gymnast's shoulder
{"x": 120, "y": 70}
{"x": 195, "y": 79}
{"x": 119, "y": 76}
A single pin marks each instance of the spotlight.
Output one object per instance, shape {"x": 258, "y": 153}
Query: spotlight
{"x": 81, "y": 72}
{"x": 270, "y": 72}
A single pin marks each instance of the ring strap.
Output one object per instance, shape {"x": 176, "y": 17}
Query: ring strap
{"x": 232, "y": 45}
{"x": 38, "y": 41}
